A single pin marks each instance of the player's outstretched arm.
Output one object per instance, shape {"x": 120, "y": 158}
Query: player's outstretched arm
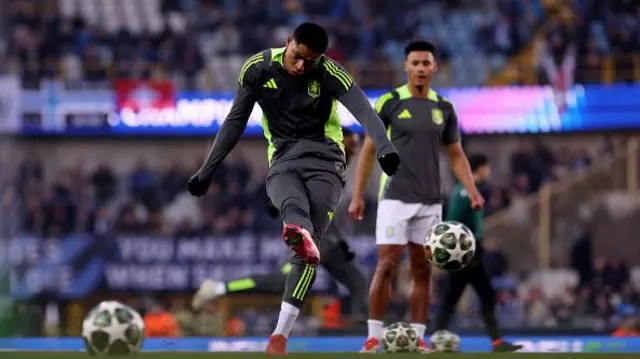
{"x": 232, "y": 128}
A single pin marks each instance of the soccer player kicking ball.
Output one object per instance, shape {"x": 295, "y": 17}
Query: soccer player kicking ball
{"x": 419, "y": 123}
{"x": 337, "y": 258}
{"x": 297, "y": 87}
{"x": 475, "y": 274}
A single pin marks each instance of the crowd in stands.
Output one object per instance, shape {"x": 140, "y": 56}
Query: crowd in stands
{"x": 154, "y": 200}
{"x": 142, "y": 201}
{"x": 91, "y": 42}
{"x": 580, "y": 35}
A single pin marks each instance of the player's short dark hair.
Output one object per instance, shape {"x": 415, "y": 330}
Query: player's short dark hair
{"x": 477, "y": 161}
{"x": 313, "y": 36}
{"x": 420, "y": 45}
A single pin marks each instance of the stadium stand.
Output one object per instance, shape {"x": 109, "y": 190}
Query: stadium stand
{"x": 88, "y": 43}
{"x": 98, "y": 40}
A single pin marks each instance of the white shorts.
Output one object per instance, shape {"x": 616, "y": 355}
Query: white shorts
{"x": 400, "y": 223}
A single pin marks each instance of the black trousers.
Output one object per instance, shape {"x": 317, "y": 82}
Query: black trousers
{"x": 475, "y": 275}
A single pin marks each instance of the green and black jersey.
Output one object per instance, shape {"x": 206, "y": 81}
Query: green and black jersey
{"x": 418, "y": 128}
{"x": 300, "y": 112}
{"x": 459, "y": 210}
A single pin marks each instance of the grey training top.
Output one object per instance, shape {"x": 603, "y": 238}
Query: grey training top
{"x": 300, "y": 117}
{"x": 418, "y": 128}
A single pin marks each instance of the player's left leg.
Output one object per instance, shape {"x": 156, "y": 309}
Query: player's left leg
{"x": 419, "y": 297}
{"x": 481, "y": 283}
{"x": 261, "y": 283}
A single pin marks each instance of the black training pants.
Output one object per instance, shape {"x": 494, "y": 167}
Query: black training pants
{"x": 476, "y": 275}
{"x": 306, "y": 191}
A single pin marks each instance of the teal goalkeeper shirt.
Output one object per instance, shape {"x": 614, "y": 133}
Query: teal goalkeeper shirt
{"x": 459, "y": 210}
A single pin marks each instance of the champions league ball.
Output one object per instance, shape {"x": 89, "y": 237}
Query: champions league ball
{"x": 400, "y": 338}
{"x": 450, "y": 245}
{"x": 112, "y": 329}
{"x": 445, "y": 341}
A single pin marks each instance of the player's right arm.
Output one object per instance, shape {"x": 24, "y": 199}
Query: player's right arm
{"x": 365, "y": 163}
{"x": 236, "y": 121}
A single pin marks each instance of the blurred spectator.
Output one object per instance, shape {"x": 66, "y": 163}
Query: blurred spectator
{"x": 581, "y": 257}
{"x": 235, "y": 328}
{"x": 208, "y": 323}
{"x": 629, "y": 328}
{"x": 158, "y": 322}
{"x": 510, "y": 310}
{"x": 143, "y": 186}
{"x": 559, "y": 50}
{"x": 537, "y": 311}
{"x": 31, "y": 170}
{"x": 104, "y": 183}
{"x": 183, "y": 316}
{"x": 564, "y": 305}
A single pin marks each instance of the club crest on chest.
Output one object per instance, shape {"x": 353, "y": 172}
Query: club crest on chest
{"x": 313, "y": 88}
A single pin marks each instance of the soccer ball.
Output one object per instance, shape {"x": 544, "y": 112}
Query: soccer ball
{"x": 113, "y": 329}
{"x": 450, "y": 245}
{"x": 400, "y": 338}
{"x": 445, "y": 341}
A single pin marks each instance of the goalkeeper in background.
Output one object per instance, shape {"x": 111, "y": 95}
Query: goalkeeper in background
{"x": 459, "y": 210}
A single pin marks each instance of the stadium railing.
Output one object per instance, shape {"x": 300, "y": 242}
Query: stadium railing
{"x": 539, "y": 230}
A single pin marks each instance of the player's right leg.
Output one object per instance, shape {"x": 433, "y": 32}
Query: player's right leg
{"x": 420, "y": 294}
{"x": 287, "y": 192}
{"x": 391, "y": 238}
{"x": 306, "y": 205}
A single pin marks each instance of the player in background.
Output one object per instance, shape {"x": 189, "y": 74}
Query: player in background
{"x": 337, "y": 258}
{"x": 297, "y": 87}
{"x": 459, "y": 210}
{"x": 419, "y": 123}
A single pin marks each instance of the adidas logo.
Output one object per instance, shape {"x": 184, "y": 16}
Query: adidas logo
{"x": 405, "y": 114}
{"x": 271, "y": 84}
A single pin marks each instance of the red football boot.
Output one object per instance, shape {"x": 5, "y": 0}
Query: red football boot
{"x": 300, "y": 241}
{"x": 372, "y": 345}
{"x": 277, "y": 345}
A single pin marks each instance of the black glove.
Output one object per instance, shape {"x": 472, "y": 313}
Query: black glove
{"x": 198, "y": 186}
{"x": 273, "y": 211}
{"x": 389, "y": 162}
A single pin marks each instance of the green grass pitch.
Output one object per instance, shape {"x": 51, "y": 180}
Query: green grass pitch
{"x": 219, "y": 355}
